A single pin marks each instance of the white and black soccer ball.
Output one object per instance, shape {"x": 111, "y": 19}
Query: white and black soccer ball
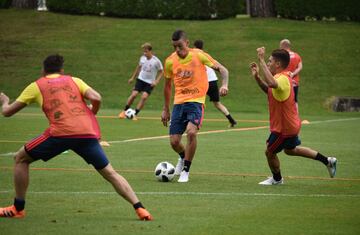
{"x": 164, "y": 171}
{"x": 130, "y": 113}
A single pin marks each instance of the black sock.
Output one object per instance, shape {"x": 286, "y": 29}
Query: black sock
{"x": 138, "y": 205}
{"x": 182, "y": 155}
{"x": 126, "y": 107}
{"x": 187, "y": 165}
{"x": 19, "y": 204}
{"x": 137, "y": 111}
{"x": 277, "y": 176}
{"x": 322, "y": 158}
{"x": 231, "y": 120}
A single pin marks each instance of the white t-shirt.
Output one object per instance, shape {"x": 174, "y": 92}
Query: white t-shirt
{"x": 211, "y": 74}
{"x": 149, "y": 68}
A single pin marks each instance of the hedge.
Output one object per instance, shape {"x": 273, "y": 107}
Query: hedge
{"x": 163, "y": 9}
{"x": 5, "y": 3}
{"x": 319, "y": 9}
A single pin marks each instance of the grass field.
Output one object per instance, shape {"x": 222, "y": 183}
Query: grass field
{"x": 66, "y": 196}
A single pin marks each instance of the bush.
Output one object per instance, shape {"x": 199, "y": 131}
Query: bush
{"x": 300, "y": 9}
{"x": 165, "y": 9}
{"x": 5, "y": 3}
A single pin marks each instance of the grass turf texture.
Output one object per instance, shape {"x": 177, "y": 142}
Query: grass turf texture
{"x": 223, "y": 196}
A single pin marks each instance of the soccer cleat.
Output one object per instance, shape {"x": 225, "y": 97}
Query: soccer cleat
{"x": 122, "y": 115}
{"x": 134, "y": 118}
{"x": 332, "y": 166}
{"x": 184, "y": 177}
{"x": 271, "y": 181}
{"x": 143, "y": 214}
{"x": 232, "y": 124}
{"x": 179, "y": 166}
{"x": 11, "y": 212}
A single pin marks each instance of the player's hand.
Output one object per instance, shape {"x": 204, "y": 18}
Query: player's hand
{"x": 261, "y": 53}
{"x": 130, "y": 80}
{"x": 223, "y": 90}
{"x": 4, "y": 99}
{"x": 153, "y": 84}
{"x": 254, "y": 69}
{"x": 165, "y": 117}
{"x": 291, "y": 74}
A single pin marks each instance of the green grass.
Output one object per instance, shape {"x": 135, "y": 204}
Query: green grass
{"x": 222, "y": 197}
{"x": 104, "y": 52}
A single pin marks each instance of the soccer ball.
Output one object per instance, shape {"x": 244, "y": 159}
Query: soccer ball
{"x": 130, "y": 113}
{"x": 164, "y": 171}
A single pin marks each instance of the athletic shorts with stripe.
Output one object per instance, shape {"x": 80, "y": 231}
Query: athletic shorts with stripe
{"x": 184, "y": 113}
{"x": 277, "y": 142}
{"x": 46, "y": 147}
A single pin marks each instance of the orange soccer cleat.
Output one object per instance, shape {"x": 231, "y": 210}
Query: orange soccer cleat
{"x": 11, "y": 212}
{"x": 122, "y": 115}
{"x": 143, "y": 214}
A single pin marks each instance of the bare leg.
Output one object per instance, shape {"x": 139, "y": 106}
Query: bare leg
{"x": 142, "y": 101}
{"x": 302, "y": 152}
{"x": 175, "y": 142}
{"x": 132, "y": 97}
{"x": 273, "y": 162}
{"x": 191, "y": 131}
{"x": 119, "y": 183}
{"x": 21, "y": 173}
{"x": 221, "y": 108}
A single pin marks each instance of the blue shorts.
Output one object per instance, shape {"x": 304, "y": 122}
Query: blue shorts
{"x": 277, "y": 142}
{"x": 46, "y": 147}
{"x": 184, "y": 113}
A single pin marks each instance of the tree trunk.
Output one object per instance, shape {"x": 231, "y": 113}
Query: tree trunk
{"x": 24, "y": 3}
{"x": 261, "y": 8}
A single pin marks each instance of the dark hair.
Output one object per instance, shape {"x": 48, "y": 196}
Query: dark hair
{"x": 178, "y": 34}
{"x": 199, "y": 44}
{"x": 53, "y": 63}
{"x": 282, "y": 56}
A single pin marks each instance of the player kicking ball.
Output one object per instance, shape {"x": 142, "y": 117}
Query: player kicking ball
{"x": 284, "y": 118}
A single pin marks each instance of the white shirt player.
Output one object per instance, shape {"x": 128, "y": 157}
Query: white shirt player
{"x": 211, "y": 74}
{"x": 149, "y": 68}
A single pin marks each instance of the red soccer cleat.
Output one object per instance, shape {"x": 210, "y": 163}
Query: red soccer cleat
{"x": 143, "y": 214}
{"x": 11, "y": 212}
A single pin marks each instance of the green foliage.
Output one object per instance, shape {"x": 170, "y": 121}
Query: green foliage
{"x": 164, "y": 9}
{"x": 300, "y": 9}
{"x": 5, "y": 3}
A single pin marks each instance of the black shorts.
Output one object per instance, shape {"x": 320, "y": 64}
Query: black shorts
{"x": 142, "y": 86}
{"x": 296, "y": 90}
{"x": 213, "y": 91}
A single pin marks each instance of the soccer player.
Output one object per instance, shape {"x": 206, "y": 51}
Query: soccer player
{"x": 148, "y": 72}
{"x": 284, "y": 119}
{"x": 73, "y": 125}
{"x": 295, "y": 65}
{"x": 185, "y": 68}
{"x": 213, "y": 91}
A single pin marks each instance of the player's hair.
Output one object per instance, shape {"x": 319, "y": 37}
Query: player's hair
{"x": 178, "y": 34}
{"x": 199, "y": 44}
{"x": 53, "y": 63}
{"x": 147, "y": 46}
{"x": 282, "y": 56}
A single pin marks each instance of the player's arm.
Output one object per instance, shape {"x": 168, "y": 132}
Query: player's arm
{"x": 95, "y": 99}
{"x": 268, "y": 77}
{"x": 158, "y": 78}
{"x": 224, "y": 73}
{"x": 297, "y": 70}
{"x": 10, "y": 109}
{"x": 135, "y": 74}
{"x": 255, "y": 72}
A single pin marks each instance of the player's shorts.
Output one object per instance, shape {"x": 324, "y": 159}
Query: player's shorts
{"x": 46, "y": 147}
{"x": 296, "y": 90}
{"x": 213, "y": 91}
{"x": 142, "y": 86}
{"x": 277, "y": 142}
{"x": 184, "y": 113}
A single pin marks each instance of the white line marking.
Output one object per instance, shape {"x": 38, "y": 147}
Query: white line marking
{"x": 10, "y": 154}
{"x": 334, "y": 120}
{"x": 194, "y": 194}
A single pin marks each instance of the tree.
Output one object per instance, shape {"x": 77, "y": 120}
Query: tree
{"x": 24, "y": 3}
{"x": 260, "y": 8}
